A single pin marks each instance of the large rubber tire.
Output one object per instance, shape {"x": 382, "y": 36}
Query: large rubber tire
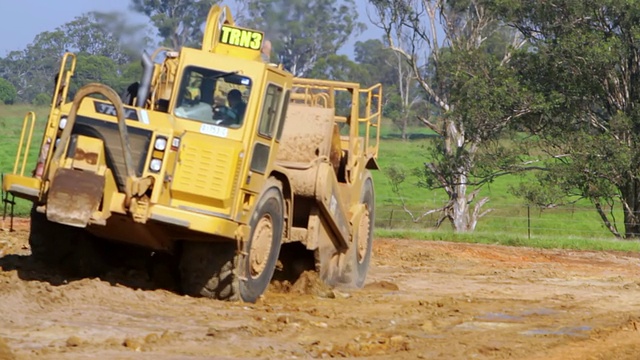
{"x": 364, "y": 240}
{"x": 64, "y": 248}
{"x": 208, "y": 270}
{"x": 349, "y": 268}
{"x": 219, "y": 271}
{"x": 50, "y": 242}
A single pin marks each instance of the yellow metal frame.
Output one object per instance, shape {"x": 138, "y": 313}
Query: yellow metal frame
{"x": 60, "y": 94}
{"x": 216, "y": 18}
{"x": 113, "y": 97}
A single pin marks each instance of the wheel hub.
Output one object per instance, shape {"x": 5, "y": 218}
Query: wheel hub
{"x": 260, "y": 246}
{"x": 363, "y": 236}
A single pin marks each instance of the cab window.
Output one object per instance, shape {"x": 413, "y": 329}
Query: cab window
{"x": 213, "y": 96}
{"x": 269, "y": 115}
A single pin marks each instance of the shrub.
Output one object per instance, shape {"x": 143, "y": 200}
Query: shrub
{"x": 42, "y": 99}
{"x": 8, "y": 92}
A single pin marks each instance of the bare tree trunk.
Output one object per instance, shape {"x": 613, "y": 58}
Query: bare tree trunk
{"x": 412, "y": 28}
{"x": 403, "y": 128}
{"x": 631, "y": 208}
{"x": 460, "y": 206}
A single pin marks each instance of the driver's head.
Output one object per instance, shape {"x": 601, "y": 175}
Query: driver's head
{"x": 234, "y": 96}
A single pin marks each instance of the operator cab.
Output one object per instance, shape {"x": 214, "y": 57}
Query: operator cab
{"x": 213, "y": 96}
{"x": 215, "y": 85}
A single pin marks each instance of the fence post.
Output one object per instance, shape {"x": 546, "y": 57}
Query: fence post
{"x": 390, "y": 219}
{"x": 529, "y": 221}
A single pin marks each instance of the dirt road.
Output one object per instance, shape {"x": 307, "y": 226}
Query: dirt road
{"x": 423, "y": 300}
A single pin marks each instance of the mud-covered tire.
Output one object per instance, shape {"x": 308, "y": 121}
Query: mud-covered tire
{"x": 64, "y": 248}
{"x": 364, "y": 244}
{"x": 50, "y": 242}
{"x": 217, "y": 270}
{"x": 261, "y": 252}
{"x": 349, "y": 267}
{"x": 208, "y": 270}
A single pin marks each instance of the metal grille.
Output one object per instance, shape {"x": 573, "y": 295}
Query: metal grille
{"x": 205, "y": 171}
{"x": 139, "y": 140}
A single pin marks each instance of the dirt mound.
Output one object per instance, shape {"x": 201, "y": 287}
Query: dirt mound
{"x": 309, "y": 283}
{"x": 5, "y": 351}
{"x": 382, "y": 285}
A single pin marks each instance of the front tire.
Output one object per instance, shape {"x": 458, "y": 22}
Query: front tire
{"x": 64, "y": 248}
{"x": 219, "y": 271}
{"x": 208, "y": 270}
{"x": 50, "y": 242}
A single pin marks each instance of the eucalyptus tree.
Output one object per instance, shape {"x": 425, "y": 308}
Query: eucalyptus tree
{"x": 459, "y": 54}
{"x": 403, "y": 98}
{"x": 584, "y": 67}
{"x": 178, "y": 22}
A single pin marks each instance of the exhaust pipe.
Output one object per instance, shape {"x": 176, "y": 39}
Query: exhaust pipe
{"x": 145, "y": 84}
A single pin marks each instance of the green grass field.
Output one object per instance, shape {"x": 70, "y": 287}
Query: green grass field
{"x": 510, "y": 222}
{"x": 11, "y": 120}
{"x": 508, "y": 212}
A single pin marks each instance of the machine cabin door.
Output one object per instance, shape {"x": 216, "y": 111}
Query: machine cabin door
{"x": 268, "y": 129}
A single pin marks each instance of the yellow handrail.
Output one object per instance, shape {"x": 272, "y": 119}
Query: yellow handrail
{"x": 31, "y": 116}
{"x": 373, "y": 93}
{"x": 62, "y": 81}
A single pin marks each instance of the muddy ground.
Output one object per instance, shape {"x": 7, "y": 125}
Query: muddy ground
{"x": 422, "y": 300}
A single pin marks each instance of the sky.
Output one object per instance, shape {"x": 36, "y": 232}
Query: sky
{"x": 22, "y": 20}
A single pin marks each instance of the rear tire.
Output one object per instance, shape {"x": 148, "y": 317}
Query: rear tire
{"x": 219, "y": 271}
{"x": 349, "y": 268}
{"x": 364, "y": 240}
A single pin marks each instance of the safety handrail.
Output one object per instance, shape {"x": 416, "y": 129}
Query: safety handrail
{"x": 30, "y": 117}
{"x": 62, "y": 81}
{"x": 372, "y": 93}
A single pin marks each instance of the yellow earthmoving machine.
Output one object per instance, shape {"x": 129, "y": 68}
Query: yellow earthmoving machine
{"x": 217, "y": 158}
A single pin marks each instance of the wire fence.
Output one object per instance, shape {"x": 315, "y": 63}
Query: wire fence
{"x": 514, "y": 219}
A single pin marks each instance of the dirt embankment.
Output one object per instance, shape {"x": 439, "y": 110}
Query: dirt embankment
{"x": 429, "y": 300}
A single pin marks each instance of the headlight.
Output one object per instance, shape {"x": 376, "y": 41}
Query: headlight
{"x": 63, "y": 122}
{"x": 160, "y": 144}
{"x": 155, "y": 165}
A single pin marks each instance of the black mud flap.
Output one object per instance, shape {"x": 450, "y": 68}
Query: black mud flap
{"x": 73, "y": 197}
